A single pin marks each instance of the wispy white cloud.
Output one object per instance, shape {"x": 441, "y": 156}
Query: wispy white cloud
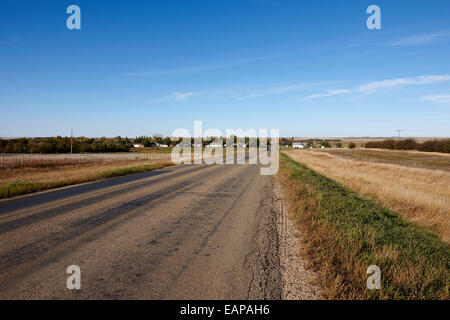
{"x": 441, "y": 116}
{"x": 175, "y": 96}
{"x": 420, "y": 39}
{"x": 191, "y": 69}
{"x": 375, "y": 86}
{"x": 243, "y": 92}
{"x": 328, "y": 93}
{"x": 181, "y": 96}
{"x": 169, "y": 71}
{"x": 439, "y": 99}
{"x": 426, "y": 79}
{"x": 277, "y": 90}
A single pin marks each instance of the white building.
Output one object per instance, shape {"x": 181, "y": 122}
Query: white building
{"x": 298, "y": 145}
{"x": 215, "y": 145}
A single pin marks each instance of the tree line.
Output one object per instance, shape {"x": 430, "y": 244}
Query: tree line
{"x": 63, "y": 145}
{"x": 152, "y": 141}
{"x": 435, "y": 145}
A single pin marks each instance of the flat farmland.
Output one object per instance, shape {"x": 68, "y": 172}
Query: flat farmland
{"x": 17, "y": 160}
{"x": 28, "y": 173}
{"x": 418, "y": 159}
{"x": 414, "y": 184}
{"x": 21, "y": 174}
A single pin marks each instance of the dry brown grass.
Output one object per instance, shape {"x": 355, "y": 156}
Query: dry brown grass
{"x": 68, "y": 172}
{"x": 345, "y": 233}
{"x": 421, "y": 195}
{"x": 409, "y": 158}
{"x": 31, "y": 178}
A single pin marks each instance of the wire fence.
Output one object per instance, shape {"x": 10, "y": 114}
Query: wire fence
{"x": 14, "y": 160}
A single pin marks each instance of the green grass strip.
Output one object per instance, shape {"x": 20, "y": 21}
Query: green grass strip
{"x": 418, "y": 263}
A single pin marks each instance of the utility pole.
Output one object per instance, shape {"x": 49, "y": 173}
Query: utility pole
{"x": 399, "y": 130}
{"x": 71, "y": 140}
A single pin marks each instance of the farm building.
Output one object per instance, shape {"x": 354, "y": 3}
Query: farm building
{"x": 298, "y": 145}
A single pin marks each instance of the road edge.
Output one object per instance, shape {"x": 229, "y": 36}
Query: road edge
{"x": 299, "y": 282}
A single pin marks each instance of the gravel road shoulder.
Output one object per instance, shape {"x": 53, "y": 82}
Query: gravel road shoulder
{"x": 299, "y": 282}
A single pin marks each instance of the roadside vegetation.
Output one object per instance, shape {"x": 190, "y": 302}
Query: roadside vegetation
{"x": 38, "y": 179}
{"x": 64, "y": 145}
{"x": 411, "y": 144}
{"x": 420, "y": 195}
{"x": 82, "y": 145}
{"x": 152, "y": 150}
{"x": 345, "y": 233}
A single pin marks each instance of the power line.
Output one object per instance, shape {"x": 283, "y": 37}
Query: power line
{"x": 399, "y": 130}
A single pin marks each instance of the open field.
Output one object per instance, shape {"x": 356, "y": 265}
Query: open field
{"x": 17, "y": 181}
{"x": 21, "y": 160}
{"x": 18, "y": 160}
{"x": 410, "y": 158}
{"x": 410, "y": 183}
{"x": 344, "y": 234}
{"x": 27, "y": 173}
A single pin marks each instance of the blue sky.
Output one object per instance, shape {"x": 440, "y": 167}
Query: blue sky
{"x": 308, "y": 68}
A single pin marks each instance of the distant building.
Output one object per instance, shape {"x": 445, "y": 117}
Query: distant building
{"x": 298, "y": 145}
{"x": 138, "y": 145}
{"x": 215, "y": 145}
{"x": 183, "y": 144}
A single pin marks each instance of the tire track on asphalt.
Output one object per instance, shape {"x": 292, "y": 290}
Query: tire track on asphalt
{"x": 72, "y": 206}
{"x": 206, "y": 238}
{"x": 179, "y": 231}
{"x": 36, "y": 249}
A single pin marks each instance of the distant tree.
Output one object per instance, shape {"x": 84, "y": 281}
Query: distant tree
{"x": 351, "y": 145}
{"x": 407, "y": 144}
{"x": 166, "y": 140}
{"x": 157, "y": 138}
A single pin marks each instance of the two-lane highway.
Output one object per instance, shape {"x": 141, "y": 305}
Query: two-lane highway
{"x": 187, "y": 232}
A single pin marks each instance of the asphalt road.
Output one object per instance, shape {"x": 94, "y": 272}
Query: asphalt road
{"x": 186, "y": 232}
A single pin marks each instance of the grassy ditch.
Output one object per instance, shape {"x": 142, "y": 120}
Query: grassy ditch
{"x": 345, "y": 233}
{"x": 21, "y": 188}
